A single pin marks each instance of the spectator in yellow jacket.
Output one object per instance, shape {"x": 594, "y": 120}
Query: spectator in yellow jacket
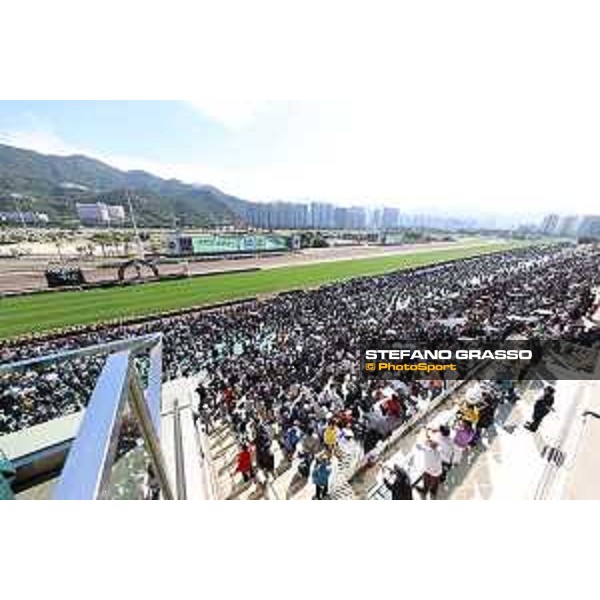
{"x": 330, "y": 437}
{"x": 469, "y": 411}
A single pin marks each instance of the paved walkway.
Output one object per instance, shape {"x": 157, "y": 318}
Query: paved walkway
{"x": 512, "y": 463}
{"x": 288, "y": 484}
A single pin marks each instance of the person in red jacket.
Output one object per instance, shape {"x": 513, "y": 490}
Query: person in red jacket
{"x": 244, "y": 463}
{"x": 228, "y": 399}
{"x": 393, "y": 407}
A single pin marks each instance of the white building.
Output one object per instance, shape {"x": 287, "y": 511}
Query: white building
{"x": 322, "y": 215}
{"x": 589, "y": 227}
{"x": 24, "y": 218}
{"x": 390, "y": 218}
{"x": 101, "y": 214}
{"x": 116, "y": 214}
{"x": 568, "y": 226}
{"x": 549, "y": 225}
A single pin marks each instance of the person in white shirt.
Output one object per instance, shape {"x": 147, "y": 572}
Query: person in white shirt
{"x": 429, "y": 461}
{"x": 445, "y": 448}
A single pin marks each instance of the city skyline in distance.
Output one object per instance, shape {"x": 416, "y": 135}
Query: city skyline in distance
{"x": 348, "y": 154}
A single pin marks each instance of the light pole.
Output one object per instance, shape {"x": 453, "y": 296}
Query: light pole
{"x": 20, "y": 212}
{"x": 135, "y": 229}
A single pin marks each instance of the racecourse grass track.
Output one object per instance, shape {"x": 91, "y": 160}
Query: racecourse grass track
{"x": 56, "y": 310}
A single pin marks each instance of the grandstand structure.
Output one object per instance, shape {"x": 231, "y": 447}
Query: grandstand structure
{"x": 129, "y": 443}
{"x": 141, "y": 435}
{"x": 138, "y": 439}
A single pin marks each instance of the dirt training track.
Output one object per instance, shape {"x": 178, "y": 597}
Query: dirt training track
{"x": 27, "y": 274}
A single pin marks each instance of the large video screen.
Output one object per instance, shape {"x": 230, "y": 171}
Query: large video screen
{"x": 391, "y": 239}
{"x": 225, "y": 244}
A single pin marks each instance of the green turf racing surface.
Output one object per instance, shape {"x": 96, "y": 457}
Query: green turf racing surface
{"x": 43, "y": 312}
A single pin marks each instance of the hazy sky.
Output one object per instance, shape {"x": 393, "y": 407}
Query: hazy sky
{"x": 443, "y": 106}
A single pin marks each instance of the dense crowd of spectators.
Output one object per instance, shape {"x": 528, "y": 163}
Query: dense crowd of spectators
{"x": 287, "y": 368}
{"x": 452, "y": 435}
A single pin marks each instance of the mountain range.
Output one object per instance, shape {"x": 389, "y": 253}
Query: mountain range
{"x": 54, "y": 184}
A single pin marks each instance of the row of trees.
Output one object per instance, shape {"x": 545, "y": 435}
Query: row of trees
{"x": 114, "y": 242}
{"x": 111, "y": 243}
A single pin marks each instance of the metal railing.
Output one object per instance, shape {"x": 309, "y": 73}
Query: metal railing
{"x": 87, "y": 471}
{"x": 179, "y": 454}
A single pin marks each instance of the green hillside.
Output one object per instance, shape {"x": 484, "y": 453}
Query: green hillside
{"x": 54, "y": 184}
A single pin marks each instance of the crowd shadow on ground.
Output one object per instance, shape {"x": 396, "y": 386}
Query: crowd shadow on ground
{"x": 508, "y": 419}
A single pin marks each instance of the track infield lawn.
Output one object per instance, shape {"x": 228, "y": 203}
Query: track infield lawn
{"x": 56, "y": 310}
